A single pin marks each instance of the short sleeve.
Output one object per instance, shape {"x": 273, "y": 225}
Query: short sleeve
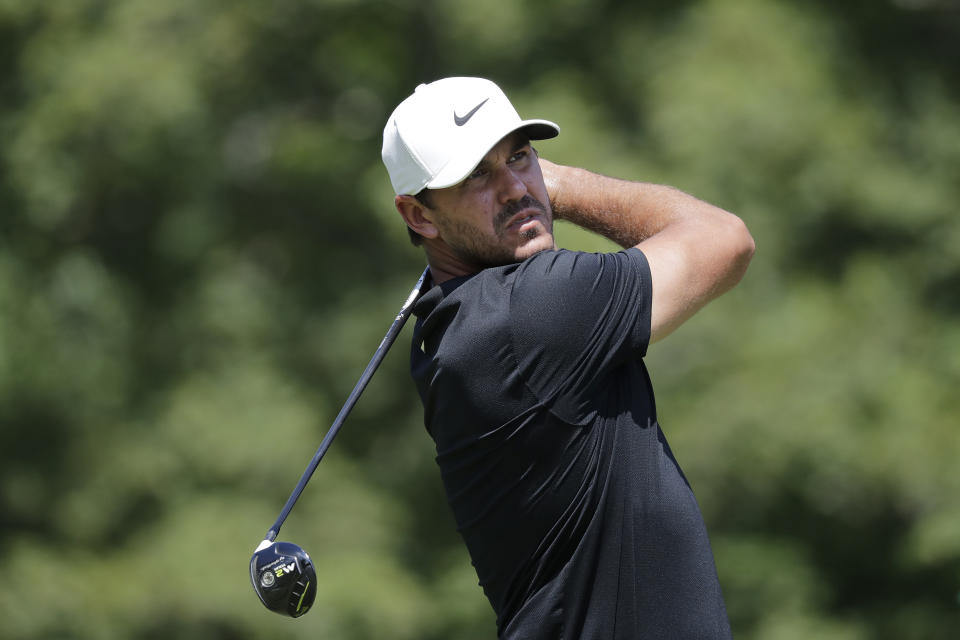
{"x": 576, "y": 318}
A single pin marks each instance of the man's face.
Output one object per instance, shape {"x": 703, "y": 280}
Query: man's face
{"x": 500, "y": 214}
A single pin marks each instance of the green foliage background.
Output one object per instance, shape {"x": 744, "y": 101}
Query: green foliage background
{"x": 198, "y": 254}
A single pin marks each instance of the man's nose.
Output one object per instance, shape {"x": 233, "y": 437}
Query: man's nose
{"x": 510, "y": 186}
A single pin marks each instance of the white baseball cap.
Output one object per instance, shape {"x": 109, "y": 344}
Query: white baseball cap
{"x": 438, "y": 135}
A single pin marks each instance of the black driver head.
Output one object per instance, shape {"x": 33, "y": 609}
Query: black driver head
{"x": 283, "y": 577}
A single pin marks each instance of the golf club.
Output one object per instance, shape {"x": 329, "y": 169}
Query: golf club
{"x": 282, "y": 573}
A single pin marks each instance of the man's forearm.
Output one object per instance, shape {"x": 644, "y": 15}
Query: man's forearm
{"x": 622, "y": 211}
{"x": 695, "y": 251}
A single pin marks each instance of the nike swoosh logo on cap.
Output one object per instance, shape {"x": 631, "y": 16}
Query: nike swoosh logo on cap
{"x": 462, "y": 120}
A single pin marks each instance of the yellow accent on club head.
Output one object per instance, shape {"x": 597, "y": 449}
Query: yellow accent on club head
{"x": 303, "y": 595}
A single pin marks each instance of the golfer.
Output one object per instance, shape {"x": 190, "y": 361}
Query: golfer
{"x": 529, "y": 362}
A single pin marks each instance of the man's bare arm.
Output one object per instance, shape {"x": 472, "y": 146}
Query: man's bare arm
{"x": 696, "y": 251}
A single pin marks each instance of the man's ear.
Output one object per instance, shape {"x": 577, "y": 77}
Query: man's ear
{"x": 417, "y": 216}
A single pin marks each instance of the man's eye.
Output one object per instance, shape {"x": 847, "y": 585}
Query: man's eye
{"x": 518, "y": 155}
{"x": 477, "y": 173}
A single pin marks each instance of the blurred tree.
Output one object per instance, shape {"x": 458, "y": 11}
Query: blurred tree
{"x": 198, "y": 254}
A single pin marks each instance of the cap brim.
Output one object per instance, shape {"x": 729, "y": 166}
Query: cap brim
{"x": 457, "y": 170}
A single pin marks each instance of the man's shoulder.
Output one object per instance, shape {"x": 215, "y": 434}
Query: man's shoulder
{"x": 547, "y": 274}
{"x": 569, "y": 268}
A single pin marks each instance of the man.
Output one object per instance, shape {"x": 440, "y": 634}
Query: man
{"x": 529, "y": 363}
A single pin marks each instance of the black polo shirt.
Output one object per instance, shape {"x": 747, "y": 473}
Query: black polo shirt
{"x": 578, "y": 519}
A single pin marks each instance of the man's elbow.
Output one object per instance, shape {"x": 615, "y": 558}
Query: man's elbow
{"x": 740, "y": 246}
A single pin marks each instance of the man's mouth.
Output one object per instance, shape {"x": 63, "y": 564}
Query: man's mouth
{"x": 523, "y": 220}
{"x": 521, "y": 214}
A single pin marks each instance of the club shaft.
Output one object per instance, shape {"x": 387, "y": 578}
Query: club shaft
{"x": 375, "y": 361}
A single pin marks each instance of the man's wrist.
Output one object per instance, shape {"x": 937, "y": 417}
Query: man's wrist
{"x": 553, "y": 181}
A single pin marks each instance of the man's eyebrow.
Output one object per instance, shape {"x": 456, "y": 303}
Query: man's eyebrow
{"x": 517, "y": 146}
{"x": 520, "y": 141}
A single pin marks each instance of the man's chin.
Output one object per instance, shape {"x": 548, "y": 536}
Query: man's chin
{"x": 541, "y": 242}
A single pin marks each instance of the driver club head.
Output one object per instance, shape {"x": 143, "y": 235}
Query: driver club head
{"x": 283, "y": 577}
